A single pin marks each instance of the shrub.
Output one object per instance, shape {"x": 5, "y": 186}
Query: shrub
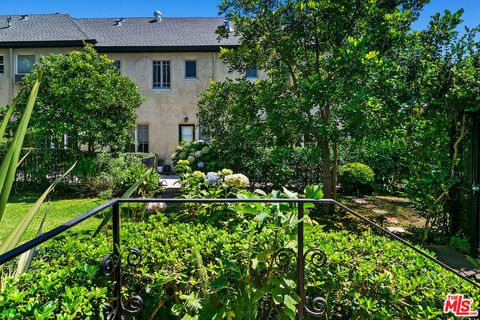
{"x": 356, "y": 176}
{"x": 114, "y": 173}
{"x": 460, "y": 242}
{"x": 198, "y": 153}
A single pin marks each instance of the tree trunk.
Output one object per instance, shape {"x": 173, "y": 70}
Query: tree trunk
{"x": 327, "y": 176}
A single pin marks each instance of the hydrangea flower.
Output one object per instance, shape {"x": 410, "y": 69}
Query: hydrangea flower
{"x": 201, "y": 164}
{"x": 183, "y": 162}
{"x": 182, "y": 155}
{"x": 227, "y": 172}
{"x": 191, "y": 159}
{"x": 212, "y": 178}
{"x": 199, "y": 175}
{"x": 198, "y": 154}
{"x": 205, "y": 150}
{"x": 153, "y": 207}
{"x": 172, "y": 156}
{"x": 236, "y": 180}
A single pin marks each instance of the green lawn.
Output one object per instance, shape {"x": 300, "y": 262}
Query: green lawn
{"x": 59, "y": 212}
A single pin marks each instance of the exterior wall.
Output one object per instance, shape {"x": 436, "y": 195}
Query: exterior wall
{"x": 164, "y": 109}
{"x": 8, "y": 88}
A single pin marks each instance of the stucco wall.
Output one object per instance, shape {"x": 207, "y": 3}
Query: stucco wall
{"x": 164, "y": 109}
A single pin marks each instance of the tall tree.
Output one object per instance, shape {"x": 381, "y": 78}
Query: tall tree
{"x": 329, "y": 49}
{"x": 84, "y": 97}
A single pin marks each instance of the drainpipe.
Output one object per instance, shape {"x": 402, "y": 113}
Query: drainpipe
{"x": 11, "y": 53}
{"x": 214, "y": 65}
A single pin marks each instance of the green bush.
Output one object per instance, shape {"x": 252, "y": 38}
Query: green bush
{"x": 356, "y": 177}
{"x": 113, "y": 174}
{"x": 198, "y": 153}
{"x": 460, "y": 242}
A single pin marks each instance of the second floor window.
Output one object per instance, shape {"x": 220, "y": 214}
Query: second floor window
{"x": 161, "y": 74}
{"x": 25, "y": 63}
{"x": 190, "y": 69}
{"x": 2, "y": 65}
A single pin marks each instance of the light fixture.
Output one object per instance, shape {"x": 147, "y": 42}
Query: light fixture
{"x": 186, "y": 119}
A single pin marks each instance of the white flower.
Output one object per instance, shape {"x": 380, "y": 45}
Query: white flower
{"x": 191, "y": 159}
{"x": 153, "y": 207}
{"x": 198, "y": 154}
{"x": 237, "y": 180}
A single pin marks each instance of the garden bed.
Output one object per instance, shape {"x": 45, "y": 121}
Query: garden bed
{"x": 193, "y": 269}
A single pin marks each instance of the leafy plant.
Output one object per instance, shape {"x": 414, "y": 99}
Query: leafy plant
{"x": 356, "y": 176}
{"x": 460, "y": 242}
{"x": 11, "y": 159}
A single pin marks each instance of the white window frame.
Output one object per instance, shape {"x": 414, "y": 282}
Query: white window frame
{"x": 161, "y": 74}
{"x": 16, "y": 62}
{"x": 196, "y": 69}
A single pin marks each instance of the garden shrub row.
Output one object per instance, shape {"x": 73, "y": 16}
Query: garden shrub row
{"x": 43, "y": 165}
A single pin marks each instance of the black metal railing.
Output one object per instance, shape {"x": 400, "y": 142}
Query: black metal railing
{"x": 112, "y": 264}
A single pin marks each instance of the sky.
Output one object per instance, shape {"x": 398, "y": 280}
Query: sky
{"x": 190, "y": 8}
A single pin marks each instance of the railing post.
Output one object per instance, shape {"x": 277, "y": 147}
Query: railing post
{"x": 300, "y": 264}
{"x": 117, "y": 260}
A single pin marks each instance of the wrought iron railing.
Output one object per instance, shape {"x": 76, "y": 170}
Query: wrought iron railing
{"x": 112, "y": 264}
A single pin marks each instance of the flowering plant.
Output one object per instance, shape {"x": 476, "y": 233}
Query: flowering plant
{"x": 198, "y": 154}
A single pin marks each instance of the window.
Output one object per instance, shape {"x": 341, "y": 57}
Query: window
{"x": 190, "y": 69}
{"x": 25, "y": 63}
{"x": 186, "y": 132}
{"x": 142, "y": 138}
{"x": 251, "y": 72}
{"x": 2, "y": 65}
{"x": 117, "y": 64}
{"x": 161, "y": 74}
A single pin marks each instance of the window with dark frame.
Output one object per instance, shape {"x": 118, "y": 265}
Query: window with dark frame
{"x": 161, "y": 74}
{"x": 117, "y": 64}
{"x": 190, "y": 69}
{"x": 251, "y": 72}
{"x": 186, "y": 132}
{"x": 142, "y": 138}
{"x": 2, "y": 65}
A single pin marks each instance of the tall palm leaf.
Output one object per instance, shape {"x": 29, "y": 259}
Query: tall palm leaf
{"x": 9, "y": 164}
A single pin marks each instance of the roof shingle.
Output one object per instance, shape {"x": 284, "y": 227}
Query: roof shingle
{"x": 132, "y": 33}
{"x": 41, "y": 27}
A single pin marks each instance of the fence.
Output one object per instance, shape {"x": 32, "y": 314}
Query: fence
{"x": 112, "y": 263}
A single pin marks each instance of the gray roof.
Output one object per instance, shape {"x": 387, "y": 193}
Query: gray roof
{"x": 104, "y": 33}
{"x": 145, "y": 32}
{"x": 41, "y": 27}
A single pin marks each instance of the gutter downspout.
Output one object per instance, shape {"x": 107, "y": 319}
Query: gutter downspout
{"x": 214, "y": 65}
{"x": 11, "y": 53}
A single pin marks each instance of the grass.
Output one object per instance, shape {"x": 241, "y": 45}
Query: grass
{"x": 58, "y": 211}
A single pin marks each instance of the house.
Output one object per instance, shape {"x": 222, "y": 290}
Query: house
{"x": 172, "y": 60}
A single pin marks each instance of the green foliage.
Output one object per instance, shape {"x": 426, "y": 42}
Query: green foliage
{"x": 109, "y": 175}
{"x": 460, "y": 242}
{"x": 225, "y": 269}
{"x": 83, "y": 96}
{"x": 9, "y": 164}
{"x": 356, "y": 176}
{"x": 257, "y": 135}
